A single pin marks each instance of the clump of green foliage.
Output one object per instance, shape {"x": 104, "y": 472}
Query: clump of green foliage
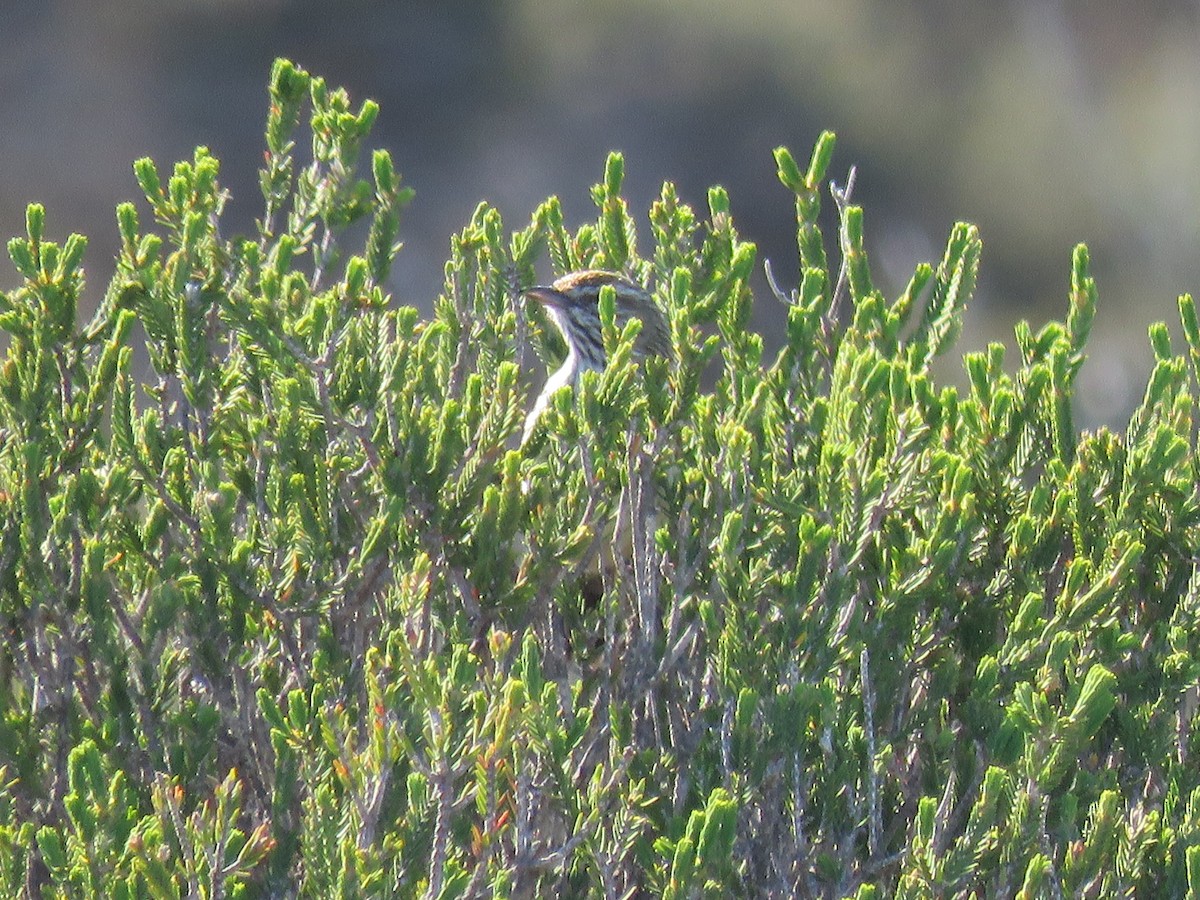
{"x": 294, "y": 614}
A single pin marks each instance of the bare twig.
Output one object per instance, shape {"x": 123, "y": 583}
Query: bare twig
{"x": 874, "y": 818}
{"x": 841, "y": 199}
{"x": 786, "y": 299}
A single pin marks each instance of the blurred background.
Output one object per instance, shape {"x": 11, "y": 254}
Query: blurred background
{"x": 1045, "y": 123}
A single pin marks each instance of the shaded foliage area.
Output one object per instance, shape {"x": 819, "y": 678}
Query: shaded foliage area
{"x": 296, "y": 616}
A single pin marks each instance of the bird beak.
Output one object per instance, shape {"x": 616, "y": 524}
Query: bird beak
{"x": 546, "y": 296}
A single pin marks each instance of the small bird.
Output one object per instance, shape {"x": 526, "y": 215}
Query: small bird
{"x": 573, "y": 303}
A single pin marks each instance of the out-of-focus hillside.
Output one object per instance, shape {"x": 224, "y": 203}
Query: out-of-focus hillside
{"x": 1046, "y": 123}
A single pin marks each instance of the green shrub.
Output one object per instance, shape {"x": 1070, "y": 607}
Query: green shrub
{"x": 294, "y": 614}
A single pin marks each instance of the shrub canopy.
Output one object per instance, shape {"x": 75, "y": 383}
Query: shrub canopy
{"x": 292, "y": 613}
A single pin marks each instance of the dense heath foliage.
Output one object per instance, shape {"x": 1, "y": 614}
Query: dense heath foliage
{"x": 291, "y": 612}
